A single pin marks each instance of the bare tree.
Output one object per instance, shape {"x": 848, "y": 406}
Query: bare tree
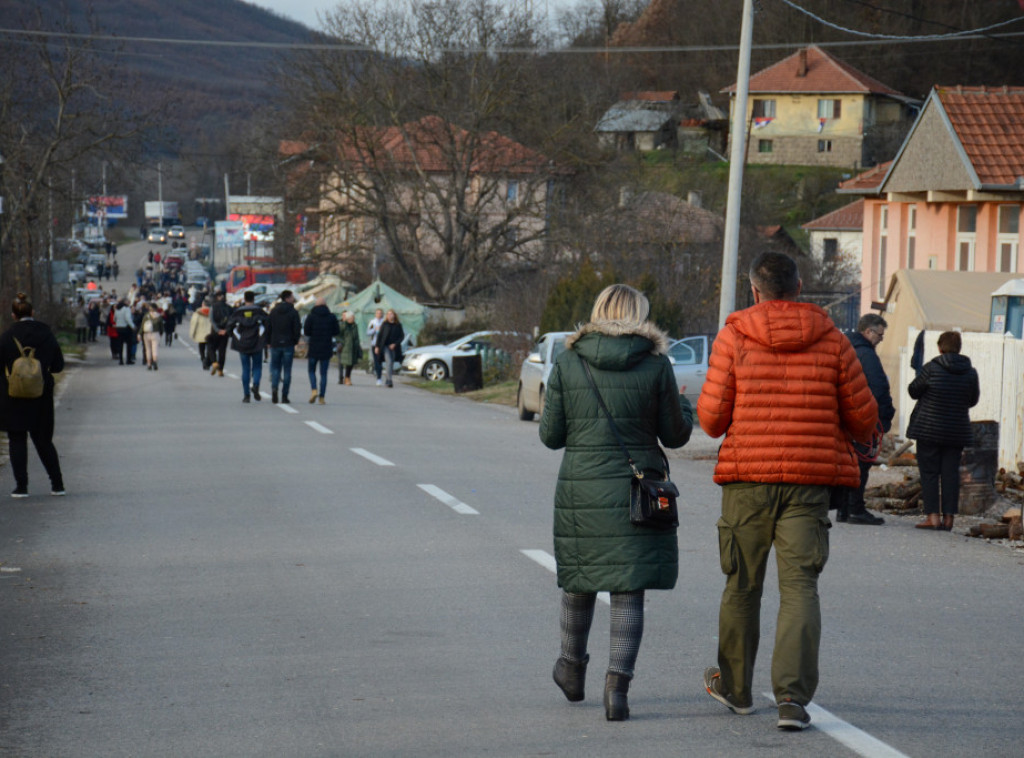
{"x": 57, "y": 115}
{"x": 410, "y": 139}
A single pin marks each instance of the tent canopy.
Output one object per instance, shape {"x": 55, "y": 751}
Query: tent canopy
{"x": 379, "y": 295}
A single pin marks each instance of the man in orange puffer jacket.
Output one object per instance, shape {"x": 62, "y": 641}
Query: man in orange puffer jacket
{"x": 786, "y": 388}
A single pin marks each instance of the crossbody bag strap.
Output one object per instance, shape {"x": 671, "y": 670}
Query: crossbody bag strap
{"x": 600, "y": 401}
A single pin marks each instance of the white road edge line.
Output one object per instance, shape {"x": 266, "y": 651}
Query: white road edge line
{"x": 286, "y": 408}
{"x": 371, "y": 457}
{"x": 456, "y": 505}
{"x": 846, "y": 734}
{"x": 319, "y": 427}
{"x": 548, "y": 561}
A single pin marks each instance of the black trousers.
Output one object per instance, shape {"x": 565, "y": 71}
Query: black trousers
{"x": 217, "y": 348}
{"x": 940, "y": 477}
{"x": 42, "y": 439}
{"x": 855, "y": 502}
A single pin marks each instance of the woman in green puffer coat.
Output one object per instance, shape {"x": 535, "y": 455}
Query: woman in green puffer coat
{"x": 596, "y": 547}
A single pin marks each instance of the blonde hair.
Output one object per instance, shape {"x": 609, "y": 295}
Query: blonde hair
{"x": 622, "y": 303}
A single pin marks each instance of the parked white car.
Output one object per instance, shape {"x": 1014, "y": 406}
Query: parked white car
{"x": 534, "y": 373}
{"x": 434, "y": 362}
{"x": 689, "y": 358}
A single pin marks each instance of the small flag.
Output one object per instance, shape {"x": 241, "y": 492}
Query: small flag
{"x": 821, "y": 121}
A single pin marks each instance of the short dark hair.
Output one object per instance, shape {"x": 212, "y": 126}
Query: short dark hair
{"x": 871, "y": 321}
{"x": 285, "y": 294}
{"x": 775, "y": 275}
{"x": 249, "y": 296}
{"x": 950, "y": 342}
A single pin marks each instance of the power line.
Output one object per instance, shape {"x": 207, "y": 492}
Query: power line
{"x": 347, "y": 47}
{"x": 900, "y": 37}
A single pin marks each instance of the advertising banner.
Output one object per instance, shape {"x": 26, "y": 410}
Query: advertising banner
{"x": 229, "y": 234}
{"x": 107, "y": 206}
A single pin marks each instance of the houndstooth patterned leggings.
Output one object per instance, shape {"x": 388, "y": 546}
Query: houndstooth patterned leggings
{"x": 626, "y": 632}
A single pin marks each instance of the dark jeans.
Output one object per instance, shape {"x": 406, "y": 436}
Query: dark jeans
{"x": 42, "y": 439}
{"x": 217, "y": 348}
{"x": 940, "y": 477}
{"x": 281, "y": 368}
{"x": 252, "y": 370}
{"x": 324, "y": 364}
{"x": 125, "y": 342}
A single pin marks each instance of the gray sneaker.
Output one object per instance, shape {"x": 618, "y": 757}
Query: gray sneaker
{"x": 793, "y": 717}
{"x": 713, "y": 683}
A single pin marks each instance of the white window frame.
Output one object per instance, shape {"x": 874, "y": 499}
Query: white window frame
{"x": 883, "y": 247}
{"x": 966, "y": 240}
{"x": 911, "y": 235}
{"x": 1009, "y": 240}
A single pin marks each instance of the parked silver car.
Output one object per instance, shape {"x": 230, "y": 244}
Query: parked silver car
{"x": 434, "y": 362}
{"x": 534, "y": 373}
{"x": 689, "y": 358}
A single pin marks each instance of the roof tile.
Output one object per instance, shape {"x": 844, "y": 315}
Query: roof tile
{"x": 824, "y": 74}
{"x": 989, "y": 121}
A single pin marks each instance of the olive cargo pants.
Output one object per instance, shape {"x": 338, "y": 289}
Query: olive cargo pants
{"x": 793, "y": 518}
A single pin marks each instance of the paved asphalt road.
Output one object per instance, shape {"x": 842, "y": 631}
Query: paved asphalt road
{"x": 350, "y": 580}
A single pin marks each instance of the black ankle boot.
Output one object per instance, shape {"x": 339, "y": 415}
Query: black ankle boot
{"x": 616, "y": 705}
{"x": 570, "y": 677}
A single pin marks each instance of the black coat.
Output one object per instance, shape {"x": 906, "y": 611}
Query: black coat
{"x": 248, "y": 328}
{"x": 878, "y": 382}
{"x": 321, "y": 328}
{"x": 390, "y": 334}
{"x": 284, "y": 325}
{"x": 946, "y": 387}
{"x": 19, "y": 414}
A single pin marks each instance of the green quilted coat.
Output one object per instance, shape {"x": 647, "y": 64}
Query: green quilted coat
{"x": 596, "y": 546}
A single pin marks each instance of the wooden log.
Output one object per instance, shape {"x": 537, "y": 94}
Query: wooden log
{"x": 1016, "y": 531}
{"x": 1011, "y": 514}
{"x": 995, "y": 531}
{"x": 904, "y": 448}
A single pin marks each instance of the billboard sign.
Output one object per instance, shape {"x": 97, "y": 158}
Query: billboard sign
{"x": 229, "y": 233}
{"x": 107, "y": 206}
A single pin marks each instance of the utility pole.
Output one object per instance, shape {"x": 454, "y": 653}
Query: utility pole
{"x": 737, "y": 158}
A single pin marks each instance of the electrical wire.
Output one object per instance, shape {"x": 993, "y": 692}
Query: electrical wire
{"x": 900, "y": 37}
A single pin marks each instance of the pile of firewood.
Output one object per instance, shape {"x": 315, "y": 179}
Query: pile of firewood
{"x": 1010, "y": 484}
{"x": 1009, "y": 527}
{"x": 897, "y": 496}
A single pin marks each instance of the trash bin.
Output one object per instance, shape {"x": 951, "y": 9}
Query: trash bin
{"x": 978, "y": 466}
{"x": 467, "y": 373}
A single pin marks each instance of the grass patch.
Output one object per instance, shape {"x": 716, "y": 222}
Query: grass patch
{"x": 499, "y": 393}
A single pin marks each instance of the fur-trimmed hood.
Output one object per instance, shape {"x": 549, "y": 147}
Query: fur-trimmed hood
{"x": 646, "y": 330}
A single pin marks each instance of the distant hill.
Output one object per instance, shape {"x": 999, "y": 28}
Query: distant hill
{"x": 211, "y": 87}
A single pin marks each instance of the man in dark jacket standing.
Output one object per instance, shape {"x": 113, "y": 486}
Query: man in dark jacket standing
{"x": 321, "y": 328}
{"x": 247, "y": 327}
{"x": 870, "y": 332}
{"x": 284, "y": 328}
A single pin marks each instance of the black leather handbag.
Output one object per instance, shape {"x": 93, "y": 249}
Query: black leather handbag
{"x": 652, "y": 496}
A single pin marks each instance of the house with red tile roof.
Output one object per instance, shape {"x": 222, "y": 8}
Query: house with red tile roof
{"x": 838, "y": 236}
{"x": 813, "y": 109}
{"x": 428, "y": 187}
{"x": 952, "y": 197}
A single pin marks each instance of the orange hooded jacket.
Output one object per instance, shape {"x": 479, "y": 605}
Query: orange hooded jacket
{"x": 786, "y": 388}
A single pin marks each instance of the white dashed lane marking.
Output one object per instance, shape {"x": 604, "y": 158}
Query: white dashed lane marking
{"x": 286, "y": 408}
{"x": 318, "y": 427}
{"x": 548, "y": 561}
{"x": 371, "y": 457}
{"x": 454, "y": 503}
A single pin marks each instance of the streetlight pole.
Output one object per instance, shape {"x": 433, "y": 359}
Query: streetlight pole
{"x": 737, "y": 158}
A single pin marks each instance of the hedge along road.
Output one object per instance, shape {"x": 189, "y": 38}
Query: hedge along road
{"x": 230, "y": 580}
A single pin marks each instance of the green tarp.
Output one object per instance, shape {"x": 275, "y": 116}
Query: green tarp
{"x": 379, "y": 295}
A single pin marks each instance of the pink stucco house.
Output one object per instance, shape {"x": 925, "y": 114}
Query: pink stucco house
{"x": 951, "y": 199}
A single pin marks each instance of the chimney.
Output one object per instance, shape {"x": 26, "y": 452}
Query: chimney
{"x": 693, "y": 198}
{"x": 802, "y": 68}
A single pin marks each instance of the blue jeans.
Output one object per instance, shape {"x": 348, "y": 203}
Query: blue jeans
{"x": 281, "y": 367}
{"x": 252, "y": 368}
{"x": 323, "y": 363}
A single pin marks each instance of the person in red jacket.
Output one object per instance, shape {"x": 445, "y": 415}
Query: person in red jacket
{"x": 786, "y": 389}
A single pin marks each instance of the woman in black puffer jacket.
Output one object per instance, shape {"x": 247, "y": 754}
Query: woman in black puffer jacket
{"x": 946, "y": 387}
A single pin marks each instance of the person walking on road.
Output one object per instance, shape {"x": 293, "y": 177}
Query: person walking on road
{"x": 124, "y": 323}
{"x": 597, "y": 548}
{"x": 217, "y": 342}
{"x": 870, "y": 332}
{"x": 349, "y": 350}
{"x": 284, "y": 330}
{"x": 371, "y": 331}
{"x": 24, "y": 417}
{"x": 199, "y": 331}
{"x": 945, "y": 389}
{"x": 389, "y": 345}
{"x": 247, "y": 326}
{"x": 321, "y": 328}
{"x": 150, "y": 330}
{"x": 786, "y": 389}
